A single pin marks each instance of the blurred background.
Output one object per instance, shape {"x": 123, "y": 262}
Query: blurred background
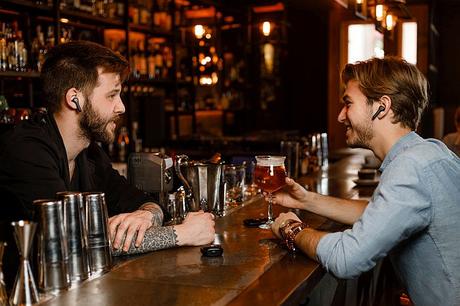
{"x": 232, "y": 76}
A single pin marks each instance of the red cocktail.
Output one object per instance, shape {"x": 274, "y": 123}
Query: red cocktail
{"x": 270, "y": 175}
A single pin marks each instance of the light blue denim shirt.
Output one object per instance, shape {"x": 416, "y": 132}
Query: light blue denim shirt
{"x": 413, "y": 215}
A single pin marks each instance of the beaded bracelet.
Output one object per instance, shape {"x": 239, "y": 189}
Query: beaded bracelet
{"x": 289, "y": 230}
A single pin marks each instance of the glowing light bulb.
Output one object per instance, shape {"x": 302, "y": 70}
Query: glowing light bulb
{"x": 379, "y": 12}
{"x": 199, "y": 31}
{"x": 266, "y": 27}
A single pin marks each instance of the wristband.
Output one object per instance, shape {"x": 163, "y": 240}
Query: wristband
{"x": 289, "y": 230}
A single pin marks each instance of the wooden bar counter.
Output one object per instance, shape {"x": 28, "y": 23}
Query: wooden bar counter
{"x": 254, "y": 269}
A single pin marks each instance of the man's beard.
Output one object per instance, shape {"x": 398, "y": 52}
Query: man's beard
{"x": 94, "y": 127}
{"x": 361, "y": 135}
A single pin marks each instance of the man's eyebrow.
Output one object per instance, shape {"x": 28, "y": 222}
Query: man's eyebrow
{"x": 113, "y": 91}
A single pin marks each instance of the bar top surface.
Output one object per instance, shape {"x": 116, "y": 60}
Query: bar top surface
{"x": 254, "y": 268}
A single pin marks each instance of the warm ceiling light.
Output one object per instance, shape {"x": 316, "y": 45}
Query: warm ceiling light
{"x": 266, "y": 28}
{"x": 64, "y": 20}
{"x": 379, "y": 12}
{"x": 390, "y": 22}
{"x": 199, "y": 31}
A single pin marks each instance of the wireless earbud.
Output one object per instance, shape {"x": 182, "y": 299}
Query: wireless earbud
{"x": 77, "y": 103}
{"x": 381, "y": 109}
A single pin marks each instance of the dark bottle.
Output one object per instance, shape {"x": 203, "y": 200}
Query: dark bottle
{"x": 123, "y": 144}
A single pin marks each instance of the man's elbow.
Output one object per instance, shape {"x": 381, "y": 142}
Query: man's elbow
{"x": 344, "y": 269}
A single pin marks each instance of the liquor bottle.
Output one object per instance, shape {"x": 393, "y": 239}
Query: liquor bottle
{"x": 145, "y": 15}
{"x": 120, "y": 8}
{"x": 111, "y": 9}
{"x": 158, "y": 62}
{"x": 151, "y": 62}
{"x": 42, "y": 48}
{"x": 134, "y": 61}
{"x": 142, "y": 60}
{"x": 137, "y": 141}
{"x": 21, "y": 53}
{"x": 162, "y": 19}
{"x": 133, "y": 12}
{"x": 50, "y": 42}
{"x": 76, "y": 4}
{"x": 3, "y": 48}
{"x": 168, "y": 59}
{"x": 122, "y": 144}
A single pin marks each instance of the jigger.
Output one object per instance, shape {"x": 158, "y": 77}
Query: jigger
{"x": 3, "y": 296}
{"x": 24, "y": 289}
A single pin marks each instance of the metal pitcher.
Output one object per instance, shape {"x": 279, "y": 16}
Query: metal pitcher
{"x": 203, "y": 183}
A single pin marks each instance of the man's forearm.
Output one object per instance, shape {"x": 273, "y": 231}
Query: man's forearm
{"x": 307, "y": 240}
{"x": 157, "y": 213}
{"x": 341, "y": 210}
{"x": 156, "y": 238}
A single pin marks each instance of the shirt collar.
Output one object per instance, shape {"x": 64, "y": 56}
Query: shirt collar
{"x": 403, "y": 143}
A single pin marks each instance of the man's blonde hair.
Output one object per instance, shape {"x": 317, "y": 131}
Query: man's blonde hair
{"x": 392, "y": 76}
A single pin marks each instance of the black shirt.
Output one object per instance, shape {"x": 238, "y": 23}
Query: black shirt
{"x": 33, "y": 165}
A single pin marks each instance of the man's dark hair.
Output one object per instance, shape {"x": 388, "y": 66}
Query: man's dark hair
{"x": 392, "y": 76}
{"x": 76, "y": 64}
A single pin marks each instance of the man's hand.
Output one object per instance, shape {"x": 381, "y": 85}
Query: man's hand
{"x": 197, "y": 229}
{"x": 292, "y": 195}
{"x": 128, "y": 225}
{"x": 281, "y": 220}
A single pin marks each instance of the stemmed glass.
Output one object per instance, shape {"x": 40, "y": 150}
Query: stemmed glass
{"x": 269, "y": 175}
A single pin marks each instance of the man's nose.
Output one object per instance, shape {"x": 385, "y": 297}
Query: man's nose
{"x": 120, "y": 107}
{"x": 342, "y": 115}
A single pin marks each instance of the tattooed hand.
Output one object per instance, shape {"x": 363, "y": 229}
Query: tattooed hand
{"x": 157, "y": 213}
{"x": 124, "y": 227}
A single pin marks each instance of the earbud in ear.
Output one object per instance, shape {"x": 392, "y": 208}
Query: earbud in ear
{"x": 379, "y": 110}
{"x": 77, "y": 103}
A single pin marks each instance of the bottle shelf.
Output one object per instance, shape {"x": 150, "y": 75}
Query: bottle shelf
{"x": 148, "y": 30}
{"x": 26, "y": 5}
{"x": 155, "y": 82}
{"x": 20, "y": 74}
{"x": 180, "y": 112}
{"x": 85, "y": 17}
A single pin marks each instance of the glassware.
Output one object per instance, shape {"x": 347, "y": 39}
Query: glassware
{"x": 270, "y": 175}
{"x": 292, "y": 151}
{"x": 53, "y": 255}
{"x": 75, "y": 227}
{"x": 234, "y": 179}
{"x": 24, "y": 289}
{"x": 99, "y": 244}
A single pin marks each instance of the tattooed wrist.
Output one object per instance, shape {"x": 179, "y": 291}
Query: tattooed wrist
{"x": 156, "y": 238}
{"x": 174, "y": 236}
{"x": 155, "y": 210}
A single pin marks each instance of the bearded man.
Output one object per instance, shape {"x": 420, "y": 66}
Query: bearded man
{"x": 57, "y": 151}
{"x": 414, "y": 212}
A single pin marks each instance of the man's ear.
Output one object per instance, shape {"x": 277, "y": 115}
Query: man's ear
{"x": 73, "y": 99}
{"x": 383, "y": 106}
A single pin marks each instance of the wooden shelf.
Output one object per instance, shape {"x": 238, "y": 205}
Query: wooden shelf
{"x": 25, "y": 4}
{"x": 98, "y": 20}
{"x": 154, "y": 82}
{"x": 180, "y": 113}
{"x": 149, "y": 30}
{"x": 20, "y": 74}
